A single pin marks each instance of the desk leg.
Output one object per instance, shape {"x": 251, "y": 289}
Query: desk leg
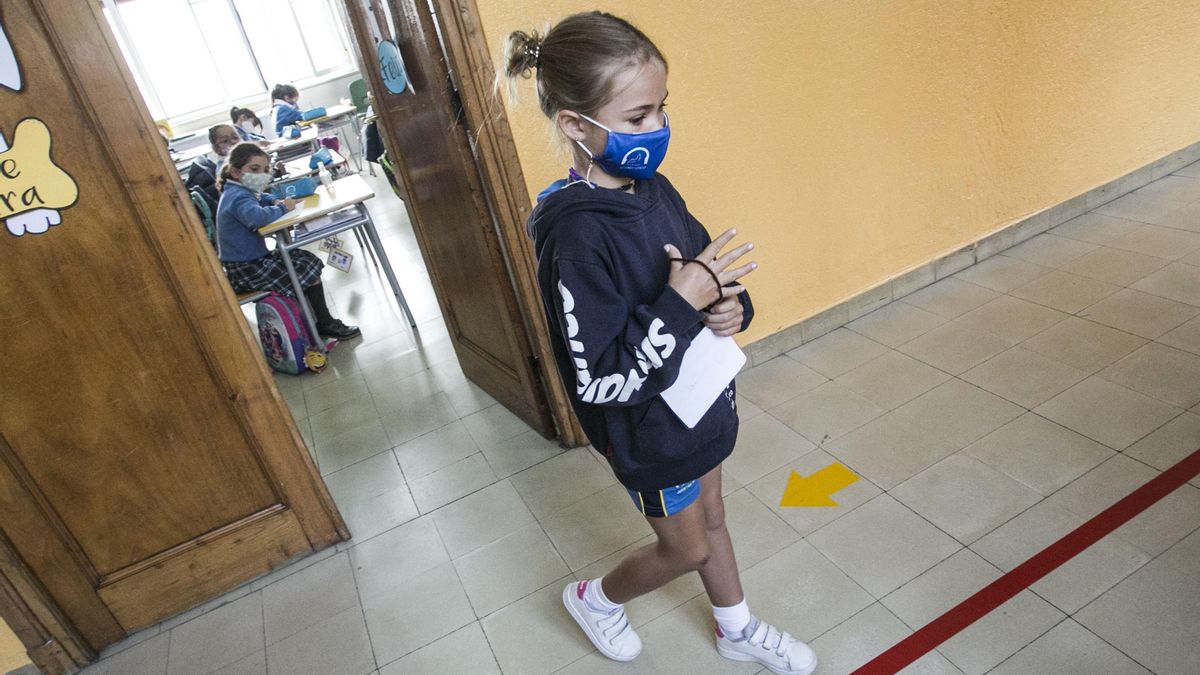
{"x": 358, "y": 138}
{"x": 282, "y": 240}
{"x": 373, "y": 235}
{"x": 366, "y": 246}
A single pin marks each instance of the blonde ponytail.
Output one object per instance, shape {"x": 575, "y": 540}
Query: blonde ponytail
{"x": 574, "y": 61}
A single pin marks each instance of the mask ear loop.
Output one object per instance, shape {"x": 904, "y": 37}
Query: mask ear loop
{"x": 591, "y": 162}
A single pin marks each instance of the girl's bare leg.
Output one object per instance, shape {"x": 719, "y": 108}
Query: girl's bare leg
{"x": 720, "y": 573}
{"x": 693, "y": 539}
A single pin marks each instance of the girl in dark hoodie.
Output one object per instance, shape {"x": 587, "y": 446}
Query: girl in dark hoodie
{"x": 629, "y": 278}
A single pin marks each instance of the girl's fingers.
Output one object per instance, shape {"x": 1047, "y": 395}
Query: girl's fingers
{"x": 710, "y": 252}
{"x": 673, "y": 252}
{"x": 727, "y": 259}
{"x": 727, "y": 276}
{"x": 728, "y": 304}
{"x": 724, "y": 327}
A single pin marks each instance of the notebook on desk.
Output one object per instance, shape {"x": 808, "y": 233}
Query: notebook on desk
{"x": 328, "y": 222}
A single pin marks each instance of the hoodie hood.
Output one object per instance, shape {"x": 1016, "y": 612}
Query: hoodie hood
{"x": 613, "y": 206}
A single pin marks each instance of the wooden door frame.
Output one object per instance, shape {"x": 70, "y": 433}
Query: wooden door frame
{"x": 47, "y": 588}
{"x": 471, "y": 66}
{"x": 48, "y": 637}
{"x": 503, "y": 182}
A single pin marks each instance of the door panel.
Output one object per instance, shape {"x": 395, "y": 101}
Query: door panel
{"x": 177, "y": 578}
{"x": 147, "y": 462}
{"x": 425, "y": 133}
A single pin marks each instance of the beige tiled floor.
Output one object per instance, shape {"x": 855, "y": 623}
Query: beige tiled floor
{"x": 988, "y": 415}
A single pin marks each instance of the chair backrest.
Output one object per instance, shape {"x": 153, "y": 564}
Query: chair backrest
{"x": 358, "y": 95}
{"x": 206, "y": 216}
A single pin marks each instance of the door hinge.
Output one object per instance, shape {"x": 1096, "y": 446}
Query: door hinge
{"x": 535, "y": 366}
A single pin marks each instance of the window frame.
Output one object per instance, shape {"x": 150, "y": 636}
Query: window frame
{"x": 146, "y": 84}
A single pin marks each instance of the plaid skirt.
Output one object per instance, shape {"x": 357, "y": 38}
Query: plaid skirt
{"x": 268, "y": 273}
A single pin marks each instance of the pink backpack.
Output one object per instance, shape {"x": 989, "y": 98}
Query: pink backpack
{"x": 286, "y": 342}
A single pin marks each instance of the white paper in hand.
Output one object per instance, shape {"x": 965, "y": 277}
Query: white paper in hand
{"x": 708, "y": 366}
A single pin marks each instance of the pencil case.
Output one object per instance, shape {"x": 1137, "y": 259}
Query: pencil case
{"x": 295, "y": 188}
{"x": 320, "y": 157}
{"x": 312, "y": 114}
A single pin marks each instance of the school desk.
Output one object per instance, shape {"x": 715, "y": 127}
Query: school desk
{"x": 290, "y": 232}
{"x": 183, "y": 160}
{"x": 293, "y": 147}
{"x": 299, "y": 166}
{"x": 338, "y": 117}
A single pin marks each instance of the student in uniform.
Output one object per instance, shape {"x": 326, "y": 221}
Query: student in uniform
{"x": 248, "y": 126}
{"x": 284, "y": 99}
{"x": 202, "y": 174}
{"x": 248, "y": 264}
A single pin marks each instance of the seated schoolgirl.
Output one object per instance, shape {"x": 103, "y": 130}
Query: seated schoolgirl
{"x": 284, "y": 99}
{"x": 202, "y": 174}
{"x": 248, "y": 264}
{"x": 248, "y": 126}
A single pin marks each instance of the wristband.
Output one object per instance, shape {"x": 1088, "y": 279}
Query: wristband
{"x": 720, "y": 290}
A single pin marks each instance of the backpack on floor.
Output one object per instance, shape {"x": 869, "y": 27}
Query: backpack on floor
{"x": 285, "y": 339}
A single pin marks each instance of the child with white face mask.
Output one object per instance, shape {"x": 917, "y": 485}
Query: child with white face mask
{"x": 628, "y": 279}
{"x": 248, "y": 126}
{"x": 243, "y": 209}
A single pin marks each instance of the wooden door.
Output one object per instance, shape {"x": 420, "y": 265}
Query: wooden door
{"x": 482, "y": 277}
{"x": 147, "y": 462}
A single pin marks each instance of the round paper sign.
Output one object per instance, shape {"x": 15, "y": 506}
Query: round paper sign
{"x": 392, "y": 67}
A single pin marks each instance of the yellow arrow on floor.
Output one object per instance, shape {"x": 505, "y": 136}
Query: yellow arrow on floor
{"x": 815, "y": 490}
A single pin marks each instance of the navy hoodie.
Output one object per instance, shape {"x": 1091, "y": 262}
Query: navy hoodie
{"x": 619, "y": 332}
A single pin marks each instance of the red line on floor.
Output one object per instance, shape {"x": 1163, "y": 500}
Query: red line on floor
{"x": 1027, "y": 573}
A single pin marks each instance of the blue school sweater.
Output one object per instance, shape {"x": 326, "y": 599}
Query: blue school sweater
{"x": 619, "y": 332}
{"x": 285, "y": 114}
{"x": 250, "y": 135}
{"x": 239, "y": 215}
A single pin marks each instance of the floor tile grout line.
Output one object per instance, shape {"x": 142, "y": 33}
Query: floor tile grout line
{"x": 262, "y": 612}
{"x": 1065, "y": 618}
{"x": 1110, "y": 588}
{"x": 363, "y": 609}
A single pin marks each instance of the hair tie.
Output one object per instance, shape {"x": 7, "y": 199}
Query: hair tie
{"x": 536, "y": 53}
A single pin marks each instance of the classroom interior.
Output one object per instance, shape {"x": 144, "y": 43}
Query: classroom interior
{"x": 991, "y": 385}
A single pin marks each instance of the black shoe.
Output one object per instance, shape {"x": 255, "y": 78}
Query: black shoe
{"x": 339, "y": 330}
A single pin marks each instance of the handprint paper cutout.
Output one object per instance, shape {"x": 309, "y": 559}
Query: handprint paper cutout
{"x": 32, "y": 187}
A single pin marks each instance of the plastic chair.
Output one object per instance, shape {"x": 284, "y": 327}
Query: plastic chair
{"x": 206, "y": 216}
{"x": 358, "y": 95}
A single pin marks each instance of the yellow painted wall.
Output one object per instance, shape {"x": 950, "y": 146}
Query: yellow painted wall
{"x": 852, "y": 141}
{"x": 12, "y": 652}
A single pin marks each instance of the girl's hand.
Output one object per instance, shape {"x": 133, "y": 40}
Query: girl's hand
{"x": 694, "y": 283}
{"x": 288, "y": 204}
{"x": 725, "y": 317}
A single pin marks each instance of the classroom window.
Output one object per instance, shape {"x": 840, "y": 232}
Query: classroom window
{"x": 192, "y": 56}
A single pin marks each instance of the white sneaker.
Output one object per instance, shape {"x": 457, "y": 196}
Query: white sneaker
{"x": 610, "y": 633}
{"x": 761, "y": 642}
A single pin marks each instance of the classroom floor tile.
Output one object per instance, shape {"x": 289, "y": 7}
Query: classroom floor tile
{"x": 983, "y": 418}
{"x": 964, "y": 497}
{"x": 1150, "y": 616}
{"x": 1069, "y": 647}
{"x": 895, "y": 323}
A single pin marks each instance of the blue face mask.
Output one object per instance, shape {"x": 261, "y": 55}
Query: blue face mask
{"x": 631, "y": 155}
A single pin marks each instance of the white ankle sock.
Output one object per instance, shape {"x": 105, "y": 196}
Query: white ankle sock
{"x": 732, "y": 619}
{"x": 595, "y": 598}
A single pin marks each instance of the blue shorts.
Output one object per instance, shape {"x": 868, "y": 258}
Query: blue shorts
{"x": 666, "y": 502}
